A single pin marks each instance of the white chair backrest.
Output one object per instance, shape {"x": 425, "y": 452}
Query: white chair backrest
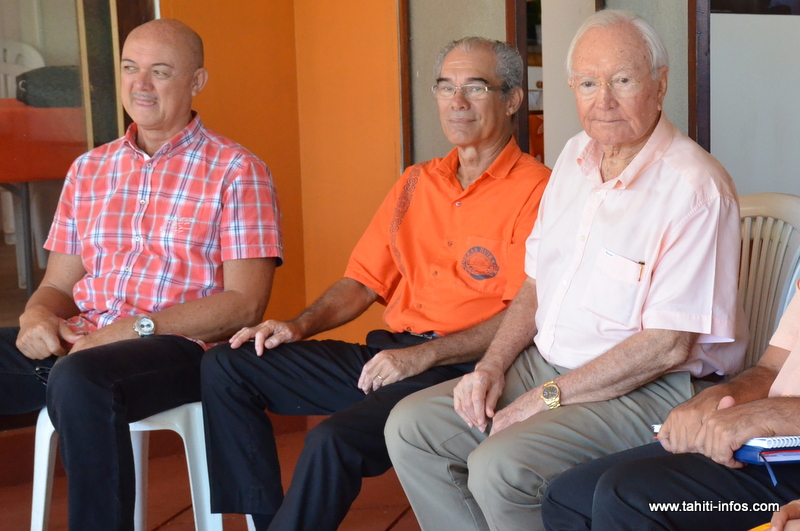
{"x": 16, "y": 58}
{"x": 770, "y": 264}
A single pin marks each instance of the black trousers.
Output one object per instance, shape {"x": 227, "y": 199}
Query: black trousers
{"x": 615, "y": 493}
{"x": 91, "y": 396}
{"x": 303, "y": 378}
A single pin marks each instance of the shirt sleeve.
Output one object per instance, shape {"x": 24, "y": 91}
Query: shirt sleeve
{"x": 693, "y": 282}
{"x": 63, "y": 236}
{"x": 371, "y": 262}
{"x": 251, "y": 223}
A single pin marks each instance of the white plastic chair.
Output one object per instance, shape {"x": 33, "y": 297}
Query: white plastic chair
{"x": 185, "y": 420}
{"x": 770, "y": 264}
{"x": 16, "y": 58}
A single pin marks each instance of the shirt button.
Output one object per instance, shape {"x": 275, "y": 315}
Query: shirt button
{"x": 458, "y": 203}
{"x": 141, "y": 202}
{"x": 419, "y": 306}
{"x": 126, "y": 269}
{"x": 436, "y": 273}
{"x": 597, "y": 194}
{"x": 138, "y": 239}
{"x": 564, "y": 282}
{"x": 583, "y": 238}
{"x": 449, "y": 244}
{"x": 550, "y": 328}
{"x": 408, "y": 329}
{"x": 149, "y": 165}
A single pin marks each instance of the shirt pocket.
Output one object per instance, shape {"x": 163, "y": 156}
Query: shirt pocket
{"x": 614, "y": 287}
{"x": 482, "y": 264}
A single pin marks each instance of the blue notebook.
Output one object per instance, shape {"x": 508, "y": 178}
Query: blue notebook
{"x": 765, "y": 451}
{"x": 769, "y": 451}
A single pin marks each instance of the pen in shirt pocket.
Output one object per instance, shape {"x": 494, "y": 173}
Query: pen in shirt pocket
{"x": 641, "y": 273}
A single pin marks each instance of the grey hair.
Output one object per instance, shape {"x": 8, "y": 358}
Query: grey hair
{"x": 657, "y": 51}
{"x": 509, "y": 67}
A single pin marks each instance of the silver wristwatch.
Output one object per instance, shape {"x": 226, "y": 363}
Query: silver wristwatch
{"x": 144, "y": 326}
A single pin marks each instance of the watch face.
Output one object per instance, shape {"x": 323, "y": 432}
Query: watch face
{"x": 145, "y": 326}
{"x": 550, "y": 392}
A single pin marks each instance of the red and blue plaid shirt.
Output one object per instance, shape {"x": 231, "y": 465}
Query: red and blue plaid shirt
{"x": 152, "y": 232}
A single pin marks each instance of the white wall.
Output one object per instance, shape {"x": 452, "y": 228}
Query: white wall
{"x": 432, "y": 25}
{"x": 755, "y": 109}
{"x": 560, "y": 20}
{"x": 50, "y": 26}
{"x": 60, "y": 32}
{"x": 672, "y": 23}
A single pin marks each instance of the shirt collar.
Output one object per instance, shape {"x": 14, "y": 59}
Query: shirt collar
{"x": 499, "y": 169}
{"x": 175, "y": 144}
{"x": 654, "y": 149}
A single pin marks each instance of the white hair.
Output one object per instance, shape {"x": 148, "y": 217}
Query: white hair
{"x": 657, "y": 51}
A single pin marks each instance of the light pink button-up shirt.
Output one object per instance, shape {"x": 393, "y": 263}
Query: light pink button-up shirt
{"x": 657, "y": 247}
{"x": 787, "y": 337}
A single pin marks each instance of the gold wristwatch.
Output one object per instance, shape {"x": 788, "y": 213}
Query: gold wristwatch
{"x": 551, "y": 394}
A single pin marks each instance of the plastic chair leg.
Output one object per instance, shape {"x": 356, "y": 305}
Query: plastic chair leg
{"x": 195, "y": 446}
{"x": 140, "y": 441}
{"x": 43, "y": 471}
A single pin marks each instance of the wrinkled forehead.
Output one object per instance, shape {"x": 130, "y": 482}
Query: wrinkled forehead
{"x": 475, "y": 62}
{"x": 610, "y": 50}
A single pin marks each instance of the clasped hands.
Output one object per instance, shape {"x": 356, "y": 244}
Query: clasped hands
{"x": 476, "y": 395}
{"x": 711, "y": 426}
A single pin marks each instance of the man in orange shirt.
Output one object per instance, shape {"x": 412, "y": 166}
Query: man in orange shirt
{"x": 444, "y": 254}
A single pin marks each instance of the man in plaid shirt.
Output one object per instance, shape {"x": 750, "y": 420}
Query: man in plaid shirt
{"x": 165, "y": 242}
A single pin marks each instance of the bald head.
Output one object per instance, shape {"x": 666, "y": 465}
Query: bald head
{"x": 173, "y": 33}
{"x": 161, "y": 71}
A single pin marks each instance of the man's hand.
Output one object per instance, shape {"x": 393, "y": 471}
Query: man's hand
{"x": 679, "y": 432}
{"x": 40, "y": 334}
{"x": 117, "y": 331}
{"x": 389, "y": 366}
{"x": 268, "y": 334}
{"x": 788, "y": 518}
{"x": 520, "y": 409}
{"x": 728, "y": 428}
{"x": 476, "y": 395}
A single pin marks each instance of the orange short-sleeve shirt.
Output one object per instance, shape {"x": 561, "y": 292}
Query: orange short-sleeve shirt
{"x": 444, "y": 259}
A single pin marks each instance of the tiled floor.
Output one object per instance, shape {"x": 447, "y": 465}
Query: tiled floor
{"x": 382, "y": 505}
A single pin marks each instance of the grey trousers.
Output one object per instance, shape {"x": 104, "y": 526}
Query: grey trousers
{"x": 459, "y": 479}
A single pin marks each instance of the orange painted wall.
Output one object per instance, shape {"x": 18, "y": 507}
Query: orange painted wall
{"x": 312, "y": 87}
{"x": 349, "y": 101}
{"x": 251, "y": 97}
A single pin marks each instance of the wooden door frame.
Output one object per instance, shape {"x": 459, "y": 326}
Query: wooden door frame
{"x": 699, "y": 15}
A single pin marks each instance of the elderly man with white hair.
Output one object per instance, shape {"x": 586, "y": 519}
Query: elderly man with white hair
{"x": 630, "y": 301}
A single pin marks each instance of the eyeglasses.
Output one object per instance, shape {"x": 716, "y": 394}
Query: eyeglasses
{"x": 470, "y": 91}
{"x": 621, "y": 87}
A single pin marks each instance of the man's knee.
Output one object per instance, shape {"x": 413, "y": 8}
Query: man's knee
{"x": 626, "y": 483}
{"x": 408, "y": 422}
{"x": 221, "y": 366}
{"x": 72, "y": 374}
{"x": 499, "y": 473}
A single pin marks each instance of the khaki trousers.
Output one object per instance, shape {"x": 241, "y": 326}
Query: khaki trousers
{"x": 459, "y": 479}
